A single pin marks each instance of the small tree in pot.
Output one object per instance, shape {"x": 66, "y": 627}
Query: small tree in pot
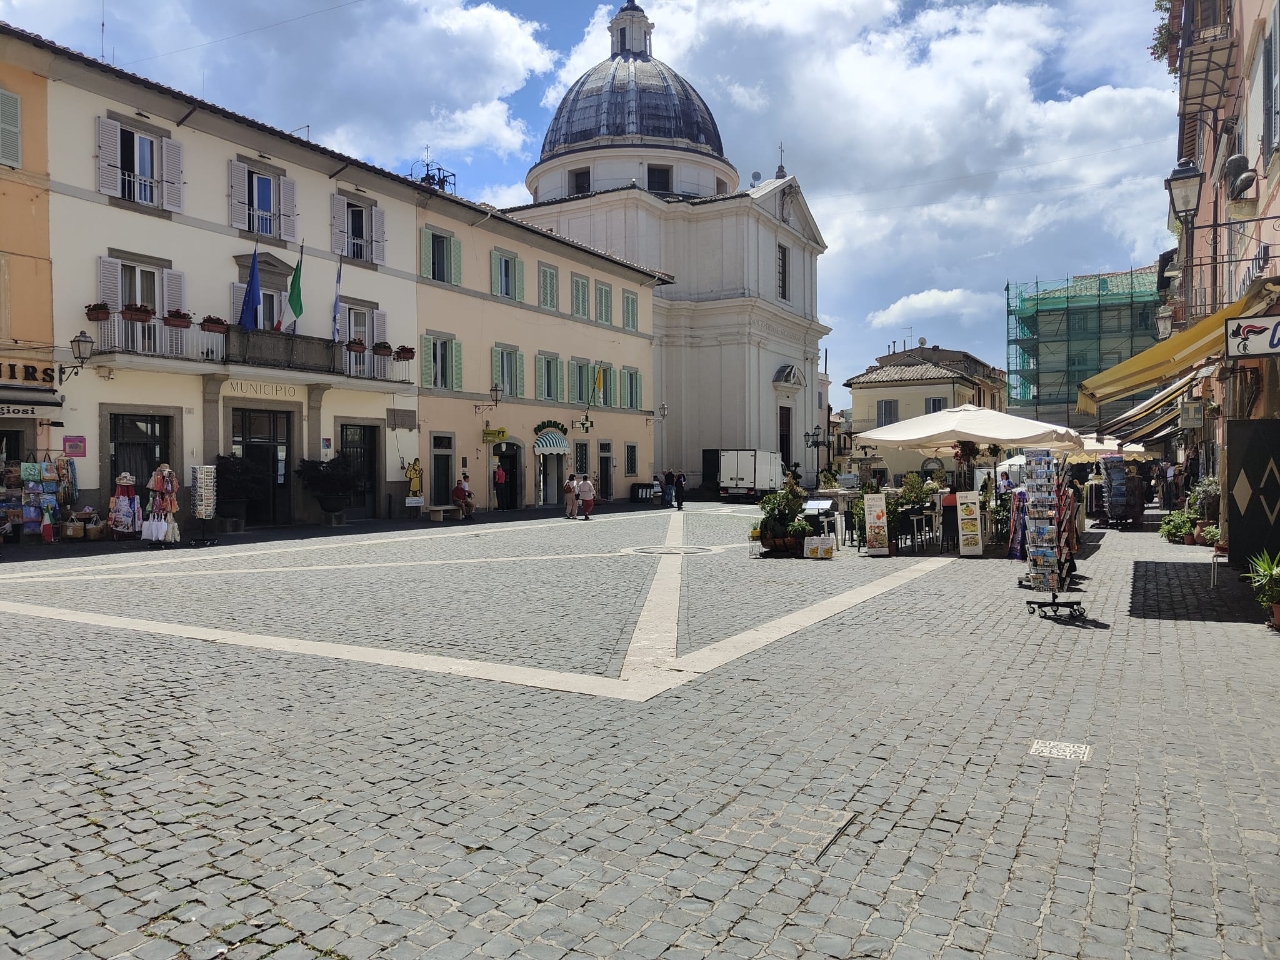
{"x": 332, "y": 482}
{"x": 781, "y": 523}
{"x": 1264, "y": 576}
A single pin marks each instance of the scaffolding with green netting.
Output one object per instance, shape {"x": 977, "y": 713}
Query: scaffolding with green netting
{"x": 1062, "y": 332}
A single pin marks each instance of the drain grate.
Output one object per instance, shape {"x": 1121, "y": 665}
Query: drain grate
{"x": 1061, "y": 751}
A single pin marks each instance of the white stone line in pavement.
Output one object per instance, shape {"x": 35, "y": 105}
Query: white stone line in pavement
{"x": 653, "y": 643}
{"x": 639, "y": 688}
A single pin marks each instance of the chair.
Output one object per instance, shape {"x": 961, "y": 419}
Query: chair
{"x": 850, "y": 533}
{"x": 950, "y": 528}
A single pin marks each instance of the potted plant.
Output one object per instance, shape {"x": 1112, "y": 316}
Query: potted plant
{"x": 382, "y": 349}
{"x": 404, "y": 352}
{"x": 912, "y": 497}
{"x": 1212, "y": 535}
{"x": 97, "y": 312}
{"x": 1212, "y": 410}
{"x": 238, "y": 482}
{"x": 331, "y": 482}
{"x": 1175, "y": 526}
{"x": 178, "y": 319}
{"x": 356, "y": 345}
{"x": 1264, "y": 577}
{"x": 137, "y": 312}
{"x": 212, "y": 324}
{"x": 754, "y": 534}
{"x": 781, "y": 511}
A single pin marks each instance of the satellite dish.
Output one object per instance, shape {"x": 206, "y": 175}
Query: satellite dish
{"x": 755, "y": 178}
{"x": 922, "y": 341}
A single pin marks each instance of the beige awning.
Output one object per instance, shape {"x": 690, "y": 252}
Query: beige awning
{"x": 1146, "y": 406}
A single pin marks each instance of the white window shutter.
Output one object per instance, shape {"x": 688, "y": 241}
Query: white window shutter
{"x": 109, "y": 283}
{"x": 171, "y": 175}
{"x": 238, "y": 290}
{"x": 10, "y": 129}
{"x": 338, "y": 224}
{"x": 108, "y": 157}
{"x": 381, "y": 365}
{"x": 175, "y": 297}
{"x": 238, "y": 192}
{"x": 288, "y": 209}
{"x": 378, "y": 218}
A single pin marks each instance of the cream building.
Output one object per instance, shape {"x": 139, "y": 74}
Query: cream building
{"x": 633, "y": 165}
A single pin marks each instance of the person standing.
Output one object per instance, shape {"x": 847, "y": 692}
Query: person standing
{"x": 679, "y": 484}
{"x": 668, "y": 488}
{"x": 500, "y": 488}
{"x": 586, "y": 496}
{"x": 570, "y": 498}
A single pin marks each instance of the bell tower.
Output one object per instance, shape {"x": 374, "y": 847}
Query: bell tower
{"x": 632, "y": 32}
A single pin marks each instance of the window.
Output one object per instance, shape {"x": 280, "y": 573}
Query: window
{"x": 548, "y": 378}
{"x": 630, "y": 310}
{"x": 357, "y": 231}
{"x": 784, "y": 434}
{"x": 358, "y": 329}
{"x": 442, "y": 358}
{"x": 138, "y": 168}
{"x": 10, "y": 129}
{"x": 261, "y": 204}
{"x": 629, "y": 391}
{"x": 139, "y": 444}
{"x": 548, "y": 288}
{"x": 440, "y": 259}
{"x": 506, "y": 275}
{"x": 631, "y": 465}
{"x": 935, "y": 404}
{"x": 604, "y": 303}
{"x": 608, "y": 391}
{"x": 721, "y": 187}
{"x": 659, "y": 179}
{"x": 139, "y": 285}
{"x": 784, "y": 273}
{"x": 886, "y": 412}
{"x": 580, "y": 181}
{"x": 440, "y": 363}
{"x": 582, "y": 298}
{"x": 581, "y": 382}
{"x": 508, "y": 371}
{"x": 581, "y": 457}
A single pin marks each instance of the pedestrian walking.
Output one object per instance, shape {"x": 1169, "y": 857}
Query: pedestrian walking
{"x": 680, "y": 482}
{"x": 668, "y": 488}
{"x": 570, "y": 498}
{"x": 586, "y": 496}
{"x": 500, "y": 487}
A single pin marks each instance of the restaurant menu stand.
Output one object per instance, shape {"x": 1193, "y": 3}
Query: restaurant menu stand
{"x": 204, "y": 500}
{"x": 1050, "y": 514}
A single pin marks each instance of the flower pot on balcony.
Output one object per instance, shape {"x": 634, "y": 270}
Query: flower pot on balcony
{"x": 97, "y": 314}
{"x": 355, "y": 346}
{"x": 178, "y": 323}
{"x": 405, "y": 353}
{"x": 213, "y": 325}
{"x": 136, "y": 316}
{"x": 382, "y": 351}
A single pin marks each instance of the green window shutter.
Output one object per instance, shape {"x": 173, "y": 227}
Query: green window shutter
{"x": 495, "y": 357}
{"x": 539, "y": 378}
{"x": 519, "y": 374}
{"x": 495, "y": 273}
{"x": 11, "y": 129}
{"x": 424, "y": 252}
{"x": 613, "y": 387}
{"x": 517, "y": 266}
{"x": 455, "y": 349}
{"x": 599, "y": 303}
{"x": 455, "y": 261}
{"x": 559, "y": 381}
{"x": 630, "y": 311}
{"x": 573, "y": 382}
{"x": 427, "y": 361}
{"x": 639, "y": 392}
{"x": 624, "y": 397}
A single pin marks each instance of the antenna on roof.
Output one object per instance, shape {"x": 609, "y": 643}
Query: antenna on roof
{"x": 103, "y": 35}
{"x": 306, "y": 127}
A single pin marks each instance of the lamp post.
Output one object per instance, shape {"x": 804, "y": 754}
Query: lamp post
{"x": 82, "y": 350}
{"x": 1184, "y": 186}
{"x": 819, "y": 438}
{"x": 495, "y": 397}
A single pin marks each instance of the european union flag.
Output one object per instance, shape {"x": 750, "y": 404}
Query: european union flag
{"x": 252, "y": 296}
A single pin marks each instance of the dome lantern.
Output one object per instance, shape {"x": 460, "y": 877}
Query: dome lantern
{"x": 632, "y": 32}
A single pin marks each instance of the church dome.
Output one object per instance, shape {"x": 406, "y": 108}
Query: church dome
{"x": 632, "y": 95}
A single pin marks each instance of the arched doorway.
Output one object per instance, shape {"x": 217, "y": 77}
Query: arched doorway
{"x": 507, "y": 456}
{"x": 550, "y": 448}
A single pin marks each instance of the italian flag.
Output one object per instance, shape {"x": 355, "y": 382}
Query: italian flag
{"x": 294, "y": 303}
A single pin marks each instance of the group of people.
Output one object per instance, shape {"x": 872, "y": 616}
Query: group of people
{"x": 462, "y": 498}
{"x": 673, "y": 489}
{"x": 579, "y": 494}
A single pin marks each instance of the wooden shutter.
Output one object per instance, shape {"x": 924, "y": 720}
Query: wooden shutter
{"x": 288, "y": 209}
{"x": 238, "y": 192}
{"x": 495, "y": 273}
{"x": 171, "y": 175}
{"x": 108, "y": 157}
{"x": 519, "y": 374}
{"x": 624, "y": 399}
{"x": 455, "y": 352}
{"x": 238, "y": 291}
{"x": 540, "y": 378}
{"x": 1268, "y": 104}
{"x": 338, "y": 224}
{"x": 455, "y": 261}
{"x": 517, "y": 267}
{"x": 613, "y": 387}
{"x": 174, "y": 283}
{"x": 378, "y": 217}
{"x": 495, "y": 363}
{"x": 109, "y": 283}
{"x": 424, "y": 252}
{"x": 427, "y": 363}
{"x": 639, "y": 399}
{"x": 10, "y": 129}
{"x": 559, "y": 368}
{"x": 381, "y": 365}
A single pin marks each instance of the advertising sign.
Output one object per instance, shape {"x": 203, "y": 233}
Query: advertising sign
{"x": 969, "y": 515}
{"x": 74, "y": 447}
{"x": 413, "y": 501}
{"x": 877, "y": 516}
{"x": 1191, "y": 413}
{"x": 494, "y": 436}
{"x": 1253, "y": 337}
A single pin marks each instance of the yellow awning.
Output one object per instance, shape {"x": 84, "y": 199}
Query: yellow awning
{"x": 1153, "y": 426}
{"x": 1146, "y": 406}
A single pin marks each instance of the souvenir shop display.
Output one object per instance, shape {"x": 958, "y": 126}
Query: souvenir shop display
{"x": 124, "y": 517}
{"x": 204, "y": 501}
{"x": 1123, "y": 500}
{"x": 161, "y": 525}
{"x": 1048, "y": 522}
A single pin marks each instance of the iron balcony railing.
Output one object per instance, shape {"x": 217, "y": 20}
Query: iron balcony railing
{"x": 139, "y": 189}
{"x": 154, "y": 339}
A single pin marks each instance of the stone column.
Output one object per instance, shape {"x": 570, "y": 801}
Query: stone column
{"x": 211, "y": 415}
{"x": 315, "y": 396}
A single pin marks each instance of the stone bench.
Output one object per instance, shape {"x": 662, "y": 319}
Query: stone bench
{"x": 437, "y": 513}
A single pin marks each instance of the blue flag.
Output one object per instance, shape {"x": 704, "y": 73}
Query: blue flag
{"x": 252, "y": 296}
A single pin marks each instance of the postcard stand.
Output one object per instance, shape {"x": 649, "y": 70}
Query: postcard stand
{"x": 204, "y": 501}
{"x": 1049, "y": 516}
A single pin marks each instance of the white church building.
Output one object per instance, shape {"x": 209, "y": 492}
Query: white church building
{"x": 633, "y": 165}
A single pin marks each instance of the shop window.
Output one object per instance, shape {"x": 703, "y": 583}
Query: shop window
{"x": 139, "y": 444}
{"x": 632, "y": 461}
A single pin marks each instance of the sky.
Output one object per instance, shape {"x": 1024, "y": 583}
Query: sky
{"x": 945, "y": 147}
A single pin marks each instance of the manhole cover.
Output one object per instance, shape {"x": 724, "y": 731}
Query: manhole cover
{"x": 1061, "y": 751}
{"x": 672, "y": 551}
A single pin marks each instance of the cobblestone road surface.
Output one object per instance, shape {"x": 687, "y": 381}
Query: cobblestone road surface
{"x": 861, "y": 789}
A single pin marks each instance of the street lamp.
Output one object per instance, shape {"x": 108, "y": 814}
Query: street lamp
{"x": 495, "y": 396}
{"x": 82, "y": 350}
{"x": 1184, "y": 186}
{"x": 661, "y": 415}
{"x": 819, "y": 438}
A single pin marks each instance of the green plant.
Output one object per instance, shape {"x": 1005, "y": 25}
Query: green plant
{"x": 241, "y": 479}
{"x": 1203, "y": 495}
{"x": 912, "y": 492}
{"x": 1211, "y": 535}
{"x": 799, "y": 528}
{"x": 1163, "y": 37}
{"x": 1264, "y": 577}
{"x": 1175, "y": 525}
{"x": 338, "y": 477}
{"x": 931, "y": 487}
{"x": 781, "y": 509}
{"x": 940, "y": 478}
{"x": 828, "y": 478}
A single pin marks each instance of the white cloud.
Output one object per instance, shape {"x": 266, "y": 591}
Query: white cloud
{"x": 939, "y": 308}
{"x": 586, "y": 53}
{"x": 504, "y": 195}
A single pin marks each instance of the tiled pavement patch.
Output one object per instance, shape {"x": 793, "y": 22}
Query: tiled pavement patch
{"x": 173, "y": 799}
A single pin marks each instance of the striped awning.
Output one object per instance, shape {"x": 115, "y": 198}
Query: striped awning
{"x": 551, "y": 442}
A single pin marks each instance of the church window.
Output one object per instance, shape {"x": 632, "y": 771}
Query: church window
{"x": 581, "y": 180}
{"x": 659, "y": 179}
{"x": 721, "y": 187}
{"x": 784, "y": 273}
{"x": 582, "y": 298}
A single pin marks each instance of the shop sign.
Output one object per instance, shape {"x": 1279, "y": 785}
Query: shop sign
{"x": 262, "y": 391}
{"x": 969, "y": 514}
{"x": 74, "y": 447}
{"x": 494, "y": 436}
{"x": 13, "y": 410}
{"x": 1191, "y": 414}
{"x": 876, "y": 509}
{"x": 1254, "y": 337}
{"x": 550, "y": 425}
{"x": 24, "y": 371}
{"x": 1255, "y": 268}
{"x": 414, "y": 501}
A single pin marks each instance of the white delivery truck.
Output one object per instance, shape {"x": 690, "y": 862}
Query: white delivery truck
{"x": 749, "y": 473}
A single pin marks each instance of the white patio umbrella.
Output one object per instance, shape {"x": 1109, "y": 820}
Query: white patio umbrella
{"x": 935, "y": 433}
{"x": 1109, "y": 447}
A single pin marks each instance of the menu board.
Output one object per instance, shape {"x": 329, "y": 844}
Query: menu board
{"x": 969, "y": 515}
{"x": 877, "y": 517}
{"x": 204, "y": 500}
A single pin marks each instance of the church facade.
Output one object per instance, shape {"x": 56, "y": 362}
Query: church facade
{"x": 633, "y": 165}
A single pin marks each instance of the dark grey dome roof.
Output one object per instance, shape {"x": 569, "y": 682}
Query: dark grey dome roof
{"x": 632, "y": 95}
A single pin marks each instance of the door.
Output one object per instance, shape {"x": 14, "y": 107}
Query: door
{"x": 1252, "y": 493}
{"x": 711, "y": 468}
{"x": 265, "y": 439}
{"x": 511, "y": 497}
{"x": 10, "y": 445}
{"x": 441, "y": 479}
{"x": 605, "y": 490}
{"x": 552, "y": 478}
{"x": 360, "y": 445}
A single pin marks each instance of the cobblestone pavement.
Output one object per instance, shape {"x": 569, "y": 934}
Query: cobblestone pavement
{"x": 863, "y": 788}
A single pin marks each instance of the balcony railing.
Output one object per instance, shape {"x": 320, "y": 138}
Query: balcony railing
{"x": 139, "y": 189}
{"x": 154, "y": 339}
{"x": 262, "y": 222}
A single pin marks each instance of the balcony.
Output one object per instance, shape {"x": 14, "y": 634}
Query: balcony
{"x": 1208, "y": 65}
{"x": 258, "y": 348}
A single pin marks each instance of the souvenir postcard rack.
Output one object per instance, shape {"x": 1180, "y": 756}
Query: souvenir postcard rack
{"x": 1049, "y": 509}
{"x": 1113, "y": 490}
{"x": 204, "y": 500}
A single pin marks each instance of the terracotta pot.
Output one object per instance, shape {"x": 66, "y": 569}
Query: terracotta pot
{"x": 1220, "y": 547}
{"x": 1189, "y": 539}
{"x": 178, "y": 323}
{"x": 209, "y": 326}
{"x": 407, "y": 354}
{"x": 356, "y": 348}
{"x": 1275, "y": 615}
{"x": 1199, "y": 534}
{"x": 97, "y": 316}
{"x": 137, "y": 316}
{"x": 382, "y": 351}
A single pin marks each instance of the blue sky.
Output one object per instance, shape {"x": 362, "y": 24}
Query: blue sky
{"x": 945, "y": 147}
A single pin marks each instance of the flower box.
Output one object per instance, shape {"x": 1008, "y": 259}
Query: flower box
{"x": 405, "y": 353}
{"x": 177, "y": 320}
{"x": 356, "y": 346}
{"x": 97, "y": 312}
{"x": 137, "y": 314}
{"x": 382, "y": 350}
{"x": 213, "y": 325}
